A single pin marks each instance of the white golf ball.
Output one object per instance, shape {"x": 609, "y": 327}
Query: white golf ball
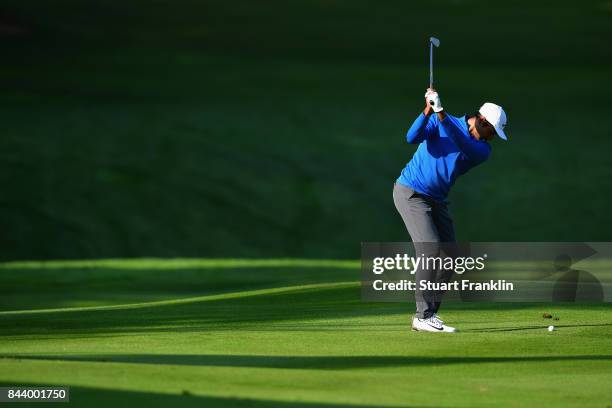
{"x": 551, "y": 328}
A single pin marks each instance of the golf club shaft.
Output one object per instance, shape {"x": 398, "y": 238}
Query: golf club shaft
{"x": 430, "y": 65}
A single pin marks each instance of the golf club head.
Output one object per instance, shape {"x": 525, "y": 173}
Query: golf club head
{"x": 434, "y": 41}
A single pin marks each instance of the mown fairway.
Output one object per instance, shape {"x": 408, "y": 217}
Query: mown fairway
{"x": 284, "y": 333}
{"x": 273, "y": 129}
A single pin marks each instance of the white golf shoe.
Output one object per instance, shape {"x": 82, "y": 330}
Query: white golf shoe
{"x": 431, "y": 324}
{"x": 446, "y": 328}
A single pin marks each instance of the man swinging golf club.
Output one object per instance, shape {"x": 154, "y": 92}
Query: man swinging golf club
{"x": 449, "y": 146}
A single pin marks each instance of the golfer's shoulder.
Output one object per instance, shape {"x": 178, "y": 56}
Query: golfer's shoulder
{"x": 485, "y": 149}
{"x": 486, "y": 146}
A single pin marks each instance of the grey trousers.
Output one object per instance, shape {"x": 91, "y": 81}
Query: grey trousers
{"x": 429, "y": 223}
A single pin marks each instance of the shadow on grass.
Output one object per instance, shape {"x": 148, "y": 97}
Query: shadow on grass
{"x": 59, "y": 285}
{"x": 202, "y": 315}
{"x": 301, "y": 362}
{"x": 93, "y": 397}
{"x": 295, "y": 307}
{"x": 223, "y": 301}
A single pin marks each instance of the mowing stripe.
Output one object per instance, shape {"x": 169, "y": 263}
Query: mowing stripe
{"x": 182, "y": 263}
{"x": 206, "y": 298}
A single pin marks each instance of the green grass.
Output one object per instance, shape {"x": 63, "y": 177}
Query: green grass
{"x": 283, "y": 333}
{"x": 272, "y": 132}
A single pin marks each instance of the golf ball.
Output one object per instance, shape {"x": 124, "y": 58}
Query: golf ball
{"x": 551, "y": 328}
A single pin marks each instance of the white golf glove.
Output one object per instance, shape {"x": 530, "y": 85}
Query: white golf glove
{"x": 433, "y": 99}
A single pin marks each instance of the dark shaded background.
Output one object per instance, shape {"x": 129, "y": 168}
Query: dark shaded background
{"x": 233, "y": 129}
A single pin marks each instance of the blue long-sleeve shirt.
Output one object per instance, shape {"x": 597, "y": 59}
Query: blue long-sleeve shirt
{"x": 446, "y": 151}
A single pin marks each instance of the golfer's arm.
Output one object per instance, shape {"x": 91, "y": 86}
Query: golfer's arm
{"x": 420, "y": 130}
{"x": 474, "y": 150}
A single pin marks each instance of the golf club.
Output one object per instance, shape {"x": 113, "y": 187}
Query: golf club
{"x": 433, "y": 41}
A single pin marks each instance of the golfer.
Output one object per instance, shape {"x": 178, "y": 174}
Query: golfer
{"x": 449, "y": 147}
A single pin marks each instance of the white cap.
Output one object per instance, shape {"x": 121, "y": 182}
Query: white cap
{"x": 495, "y": 115}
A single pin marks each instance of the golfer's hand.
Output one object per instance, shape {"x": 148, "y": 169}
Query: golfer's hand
{"x": 428, "y": 108}
{"x": 433, "y": 99}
